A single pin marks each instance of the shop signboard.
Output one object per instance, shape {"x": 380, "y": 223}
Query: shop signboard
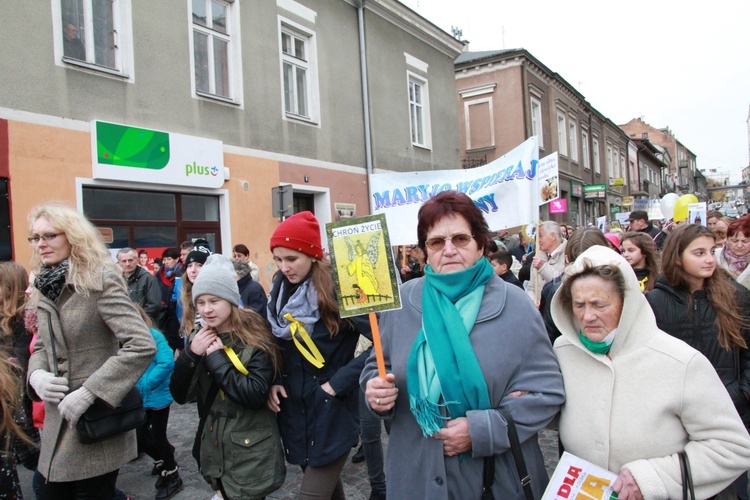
{"x": 595, "y": 192}
{"x": 125, "y": 153}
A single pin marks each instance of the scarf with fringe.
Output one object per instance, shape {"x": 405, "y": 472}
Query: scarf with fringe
{"x": 442, "y": 371}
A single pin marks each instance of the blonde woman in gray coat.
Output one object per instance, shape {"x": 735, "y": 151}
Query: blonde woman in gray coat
{"x": 101, "y": 348}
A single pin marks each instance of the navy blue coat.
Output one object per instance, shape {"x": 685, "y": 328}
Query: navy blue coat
{"x": 317, "y": 428}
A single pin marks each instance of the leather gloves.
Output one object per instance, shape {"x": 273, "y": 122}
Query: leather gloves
{"x": 48, "y": 387}
{"x": 74, "y": 404}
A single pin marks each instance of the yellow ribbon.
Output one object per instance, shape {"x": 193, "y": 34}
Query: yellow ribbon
{"x": 236, "y": 362}
{"x": 643, "y": 283}
{"x": 311, "y": 353}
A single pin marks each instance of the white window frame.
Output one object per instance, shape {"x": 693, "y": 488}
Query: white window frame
{"x": 595, "y": 155}
{"x": 310, "y": 66}
{"x": 536, "y": 120}
{"x": 573, "y": 138}
{"x": 585, "y": 149}
{"x": 562, "y": 141}
{"x": 234, "y": 56}
{"x": 419, "y": 110}
{"x": 123, "y": 40}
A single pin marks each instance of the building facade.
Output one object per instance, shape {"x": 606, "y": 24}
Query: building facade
{"x": 168, "y": 121}
{"x": 682, "y": 174}
{"x": 507, "y": 96}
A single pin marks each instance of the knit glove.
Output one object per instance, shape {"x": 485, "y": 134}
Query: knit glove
{"x": 75, "y": 404}
{"x": 48, "y": 387}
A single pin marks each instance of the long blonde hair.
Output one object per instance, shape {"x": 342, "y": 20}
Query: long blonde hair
{"x": 88, "y": 253}
{"x": 13, "y": 298}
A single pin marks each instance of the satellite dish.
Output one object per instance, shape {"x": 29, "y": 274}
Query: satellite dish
{"x": 618, "y": 201}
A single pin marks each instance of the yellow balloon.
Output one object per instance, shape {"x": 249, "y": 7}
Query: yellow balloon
{"x": 681, "y": 207}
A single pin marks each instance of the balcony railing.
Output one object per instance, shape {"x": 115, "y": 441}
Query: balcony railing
{"x": 473, "y": 162}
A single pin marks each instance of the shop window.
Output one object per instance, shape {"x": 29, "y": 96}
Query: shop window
{"x": 200, "y": 208}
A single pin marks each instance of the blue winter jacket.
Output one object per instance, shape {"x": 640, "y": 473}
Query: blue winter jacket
{"x": 154, "y": 383}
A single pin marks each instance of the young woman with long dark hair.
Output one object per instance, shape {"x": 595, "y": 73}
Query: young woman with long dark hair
{"x": 700, "y": 304}
{"x": 317, "y": 395}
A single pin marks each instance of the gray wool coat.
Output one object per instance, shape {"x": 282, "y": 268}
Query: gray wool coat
{"x": 88, "y": 332}
{"x": 514, "y": 354}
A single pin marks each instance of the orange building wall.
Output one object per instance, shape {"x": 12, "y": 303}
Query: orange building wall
{"x": 43, "y": 164}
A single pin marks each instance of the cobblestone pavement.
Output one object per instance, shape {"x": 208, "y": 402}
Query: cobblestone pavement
{"x": 135, "y": 477}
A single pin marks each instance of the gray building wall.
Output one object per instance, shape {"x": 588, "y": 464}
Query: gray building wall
{"x": 160, "y": 97}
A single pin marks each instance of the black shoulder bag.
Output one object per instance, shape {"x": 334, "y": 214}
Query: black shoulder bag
{"x": 101, "y": 420}
{"x": 515, "y": 447}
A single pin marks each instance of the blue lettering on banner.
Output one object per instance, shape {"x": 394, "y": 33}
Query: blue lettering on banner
{"x": 423, "y": 192}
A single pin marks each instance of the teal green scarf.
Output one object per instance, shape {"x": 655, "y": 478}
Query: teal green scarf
{"x": 595, "y": 347}
{"x": 442, "y": 369}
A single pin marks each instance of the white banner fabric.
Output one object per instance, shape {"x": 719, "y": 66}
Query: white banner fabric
{"x": 505, "y": 190}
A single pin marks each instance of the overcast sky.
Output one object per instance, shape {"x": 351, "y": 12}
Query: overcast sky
{"x": 685, "y": 65}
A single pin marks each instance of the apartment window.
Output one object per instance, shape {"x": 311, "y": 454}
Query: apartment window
{"x": 299, "y": 72}
{"x": 622, "y": 165}
{"x": 585, "y": 149}
{"x": 92, "y": 32}
{"x": 573, "y": 138}
{"x": 212, "y": 47}
{"x": 562, "y": 143}
{"x": 595, "y": 156}
{"x": 536, "y": 121}
{"x": 419, "y": 115}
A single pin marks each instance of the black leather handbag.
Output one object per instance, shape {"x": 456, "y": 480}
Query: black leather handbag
{"x": 101, "y": 420}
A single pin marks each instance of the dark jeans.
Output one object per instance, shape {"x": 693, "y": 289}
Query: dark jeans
{"x": 369, "y": 429}
{"x": 94, "y": 488}
{"x": 152, "y": 437}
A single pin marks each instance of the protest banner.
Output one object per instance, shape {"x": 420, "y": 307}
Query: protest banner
{"x": 577, "y": 479}
{"x": 363, "y": 271}
{"x": 505, "y": 190}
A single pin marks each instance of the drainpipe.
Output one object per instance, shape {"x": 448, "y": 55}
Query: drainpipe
{"x": 365, "y": 98}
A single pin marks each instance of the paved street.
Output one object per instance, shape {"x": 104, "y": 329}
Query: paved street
{"x": 135, "y": 478}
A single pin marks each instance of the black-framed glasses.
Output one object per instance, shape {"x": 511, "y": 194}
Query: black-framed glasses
{"x": 34, "y": 240}
{"x": 458, "y": 240}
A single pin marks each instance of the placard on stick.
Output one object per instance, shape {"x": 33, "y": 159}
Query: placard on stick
{"x": 363, "y": 268}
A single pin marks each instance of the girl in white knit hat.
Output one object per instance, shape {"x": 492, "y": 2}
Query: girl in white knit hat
{"x": 229, "y": 365}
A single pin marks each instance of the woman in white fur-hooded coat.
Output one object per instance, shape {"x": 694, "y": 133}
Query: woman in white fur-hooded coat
{"x": 634, "y": 408}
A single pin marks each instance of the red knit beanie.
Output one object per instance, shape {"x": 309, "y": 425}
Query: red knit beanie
{"x": 300, "y": 232}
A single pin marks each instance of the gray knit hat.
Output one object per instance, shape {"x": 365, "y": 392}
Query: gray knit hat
{"x": 217, "y": 277}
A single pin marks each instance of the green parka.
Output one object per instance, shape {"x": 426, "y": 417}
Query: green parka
{"x": 239, "y": 442}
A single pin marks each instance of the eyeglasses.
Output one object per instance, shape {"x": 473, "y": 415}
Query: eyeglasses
{"x": 458, "y": 240}
{"x": 34, "y": 240}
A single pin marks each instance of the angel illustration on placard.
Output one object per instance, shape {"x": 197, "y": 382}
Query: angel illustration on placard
{"x": 362, "y": 262}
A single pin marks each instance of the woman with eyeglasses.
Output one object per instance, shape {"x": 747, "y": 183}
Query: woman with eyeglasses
{"x": 463, "y": 345}
{"x": 92, "y": 343}
{"x": 736, "y": 252}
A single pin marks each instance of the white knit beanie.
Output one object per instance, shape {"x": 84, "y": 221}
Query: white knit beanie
{"x": 217, "y": 277}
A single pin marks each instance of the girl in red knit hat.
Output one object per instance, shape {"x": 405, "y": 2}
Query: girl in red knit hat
{"x": 316, "y": 397}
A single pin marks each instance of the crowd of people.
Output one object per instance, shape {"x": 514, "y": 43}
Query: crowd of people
{"x": 633, "y": 344}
